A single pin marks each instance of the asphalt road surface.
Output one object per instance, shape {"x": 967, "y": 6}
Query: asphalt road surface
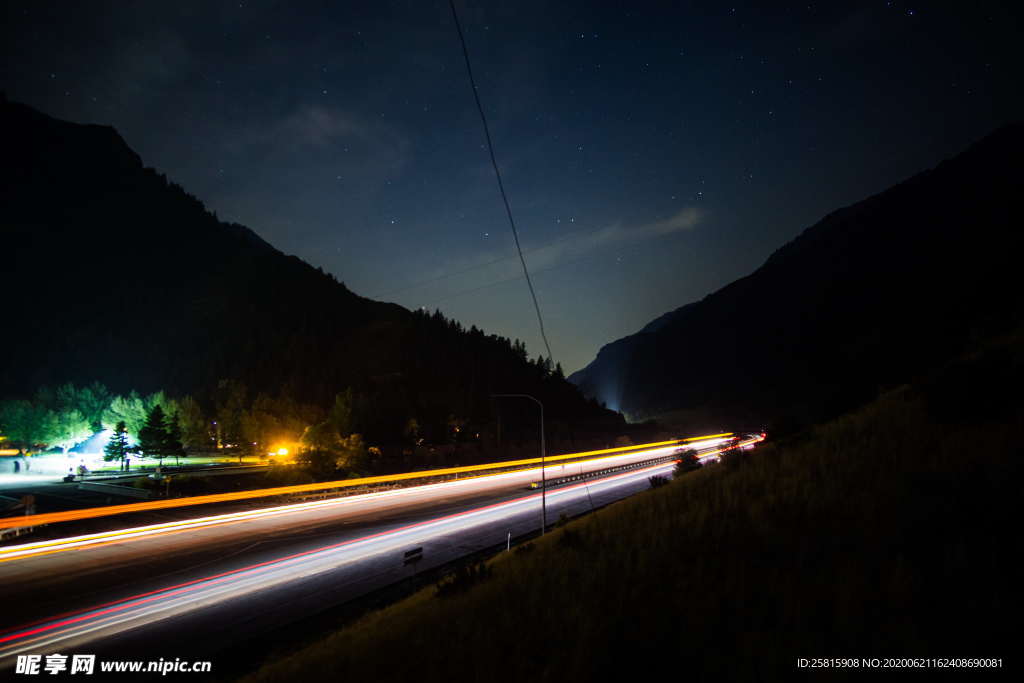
{"x": 192, "y": 589}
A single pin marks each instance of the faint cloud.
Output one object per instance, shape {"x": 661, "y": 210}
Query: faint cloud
{"x": 308, "y": 161}
{"x": 318, "y": 126}
{"x": 617, "y": 234}
{"x": 686, "y": 219}
{"x": 495, "y": 267}
{"x": 322, "y": 140}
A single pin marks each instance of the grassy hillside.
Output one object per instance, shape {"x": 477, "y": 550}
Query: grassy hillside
{"x": 884, "y": 533}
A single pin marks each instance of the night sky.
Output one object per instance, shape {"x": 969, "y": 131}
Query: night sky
{"x": 652, "y": 152}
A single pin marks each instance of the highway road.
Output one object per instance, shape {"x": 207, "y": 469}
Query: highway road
{"x": 196, "y": 587}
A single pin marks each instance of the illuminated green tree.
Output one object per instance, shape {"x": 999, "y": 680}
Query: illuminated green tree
{"x": 130, "y": 409}
{"x": 66, "y": 429}
{"x": 117, "y": 448}
{"x": 352, "y": 454}
{"x": 172, "y": 446}
{"x": 326, "y": 452}
{"x": 91, "y": 401}
{"x": 249, "y": 435}
{"x": 195, "y": 430}
{"x": 22, "y": 423}
{"x": 231, "y": 407}
{"x": 320, "y": 437}
{"x": 153, "y": 434}
{"x": 133, "y": 410}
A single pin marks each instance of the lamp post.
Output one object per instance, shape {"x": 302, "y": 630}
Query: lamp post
{"x": 543, "y": 478}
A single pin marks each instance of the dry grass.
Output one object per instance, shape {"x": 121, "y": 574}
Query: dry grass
{"x": 884, "y": 533}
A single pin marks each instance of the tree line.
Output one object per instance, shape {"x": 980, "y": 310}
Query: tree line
{"x": 251, "y": 346}
{"x": 155, "y": 424}
{"x": 441, "y": 393}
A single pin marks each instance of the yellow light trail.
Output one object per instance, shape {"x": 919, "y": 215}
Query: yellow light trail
{"x": 49, "y": 547}
{"x": 109, "y": 510}
{"x": 52, "y": 546}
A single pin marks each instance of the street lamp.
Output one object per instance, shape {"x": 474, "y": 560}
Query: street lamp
{"x": 543, "y": 479}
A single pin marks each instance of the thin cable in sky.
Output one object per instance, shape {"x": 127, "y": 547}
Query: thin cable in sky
{"x": 469, "y": 269}
{"x": 453, "y": 295}
{"x": 497, "y": 173}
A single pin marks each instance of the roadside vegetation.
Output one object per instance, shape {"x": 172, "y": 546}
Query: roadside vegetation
{"x": 338, "y": 440}
{"x": 884, "y": 533}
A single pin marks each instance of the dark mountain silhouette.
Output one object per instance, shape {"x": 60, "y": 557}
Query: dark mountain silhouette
{"x": 112, "y": 273}
{"x": 866, "y": 298}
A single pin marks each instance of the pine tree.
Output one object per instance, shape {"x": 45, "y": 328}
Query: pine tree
{"x": 559, "y": 372}
{"x": 153, "y": 435}
{"x": 117, "y": 448}
{"x": 173, "y": 445}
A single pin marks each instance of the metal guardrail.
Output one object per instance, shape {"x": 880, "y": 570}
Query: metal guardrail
{"x": 437, "y": 479}
{"x": 26, "y": 503}
{"x": 14, "y": 532}
{"x": 563, "y": 481}
{"x": 114, "y": 489}
{"x": 412, "y": 556}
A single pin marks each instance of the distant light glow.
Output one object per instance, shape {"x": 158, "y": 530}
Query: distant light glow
{"x": 93, "y": 446}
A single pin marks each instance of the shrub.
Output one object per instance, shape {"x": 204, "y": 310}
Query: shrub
{"x": 462, "y": 579}
{"x": 688, "y": 462}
